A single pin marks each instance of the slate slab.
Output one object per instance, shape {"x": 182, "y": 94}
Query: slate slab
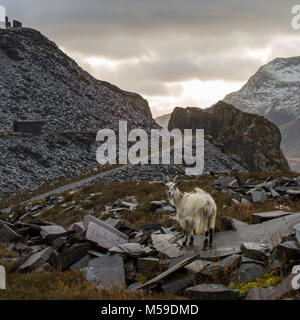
{"x": 250, "y": 271}
{"x": 131, "y": 249}
{"x": 148, "y": 264}
{"x": 88, "y": 218}
{"x": 52, "y": 231}
{"x": 82, "y": 263}
{"x": 7, "y": 234}
{"x": 255, "y": 251}
{"x": 177, "y": 283}
{"x": 36, "y": 260}
{"x": 211, "y": 292}
{"x": 217, "y": 254}
{"x": 72, "y": 254}
{"x": 168, "y": 249}
{"x": 297, "y": 231}
{"x": 289, "y": 250}
{"x": 197, "y": 266}
{"x": 103, "y": 237}
{"x": 106, "y": 272}
{"x": 170, "y": 271}
{"x": 264, "y": 216}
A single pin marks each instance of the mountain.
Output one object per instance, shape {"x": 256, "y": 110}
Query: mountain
{"x": 251, "y": 137}
{"x": 163, "y": 120}
{"x": 274, "y": 92}
{"x": 38, "y": 81}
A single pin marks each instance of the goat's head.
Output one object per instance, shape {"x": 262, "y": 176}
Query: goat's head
{"x": 171, "y": 189}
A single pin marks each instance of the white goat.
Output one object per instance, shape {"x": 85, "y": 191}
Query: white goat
{"x": 196, "y": 212}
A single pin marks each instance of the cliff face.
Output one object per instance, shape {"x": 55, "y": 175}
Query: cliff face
{"x": 253, "y": 138}
{"x": 38, "y": 81}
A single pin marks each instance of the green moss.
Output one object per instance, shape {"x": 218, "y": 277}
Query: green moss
{"x": 269, "y": 279}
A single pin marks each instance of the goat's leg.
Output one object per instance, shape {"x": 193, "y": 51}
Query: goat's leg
{"x": 205, "y": 243}
{"x": 211, "y": 237}
{"x": 192, "y": 238}
{"x": 185, "y": 239}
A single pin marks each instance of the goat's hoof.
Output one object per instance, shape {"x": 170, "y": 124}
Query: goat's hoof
{"x": 184, "y": 243}
{"x": 191, "y": 243}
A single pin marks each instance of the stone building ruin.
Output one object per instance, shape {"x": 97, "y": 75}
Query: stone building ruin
{"x": 7, "y": 24}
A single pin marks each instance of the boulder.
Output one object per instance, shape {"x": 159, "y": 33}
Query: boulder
{"x": 106, "y": 272}
{"x": 177, "y": 283}
{"x": 7, "y": 234}
{"x": 148, "y": 264}
{"x": 168, "y": 249}
{"x": 289, "y": 250}
{"x": 197, "y": 266}
{"x": 250, "y": 271}
{"x": 103, "y": 237}
{"x": 72, "y": 254}
{"x": 211, "y": 292}
{"x": 259, "y": 196}
{"x": 36, "y": 260}
{"x": 297, "y": 231}
{"x": 258, "y": 293}
{"x": 80, "y": 264}
{"x": 256, "y": 251}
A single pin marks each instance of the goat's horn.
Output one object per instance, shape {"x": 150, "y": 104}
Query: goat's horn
{"x": 168, "y": 179}
{"x": 175, "y": 179}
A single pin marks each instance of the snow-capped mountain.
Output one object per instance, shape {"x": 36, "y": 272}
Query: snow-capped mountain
{"x": 273, "y": 91}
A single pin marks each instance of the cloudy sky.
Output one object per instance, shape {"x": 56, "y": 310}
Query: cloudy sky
{"x": 173, "y": 52}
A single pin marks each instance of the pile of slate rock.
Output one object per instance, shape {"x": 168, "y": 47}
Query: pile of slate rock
{"x": 115, "y": 253}
{"x": 283, "y": 190}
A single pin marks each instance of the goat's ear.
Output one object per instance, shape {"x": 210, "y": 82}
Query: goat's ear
{"x": 177, "y": 184}
{"x": 163, "y": 184}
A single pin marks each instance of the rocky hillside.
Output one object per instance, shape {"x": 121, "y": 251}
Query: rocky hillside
{"x": 253, "y": 138}
{"x": 273, "y": 91}
{"x": 38, "y": 81}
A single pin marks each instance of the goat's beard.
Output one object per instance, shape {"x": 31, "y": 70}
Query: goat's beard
{"x": 171, "y": 201}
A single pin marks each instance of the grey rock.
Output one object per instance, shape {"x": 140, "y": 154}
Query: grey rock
{"x": 7, "y": 234}
{"x": 80, "y": 264}
{"x": 250, "y": 271}
{"x": 297, "y": 231}
{"x": 216, "y": 254}
{"x": 168, "y": 249}
{"x": 171, "y": 270}
{"x": 133, "y": 287}
{"x": 72, "y": 254}
{"x": 95, "y": 253}
{"x": 264, "y": 216}
{"x": 148, "y": 264}
{"x": 116, "y": 223}
{"x": 258, "y": 293}
{"x": 259, "y": 196}
{"x": 106, "y": 272}
{"x": 131, "y": 249}
{"x": 256, "y": 251}
{"x": 36, "y": 260}
{"x": 103, "y": 237}
{"x": 211, "y": 292}
{"x": 52, "y": 231}
{"x": 177, "y": 283}
{"x": 197, "y": 266}
{"x": 289, "y": 250}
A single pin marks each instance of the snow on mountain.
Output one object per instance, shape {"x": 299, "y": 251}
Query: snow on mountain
{"x": 273, "y": 91}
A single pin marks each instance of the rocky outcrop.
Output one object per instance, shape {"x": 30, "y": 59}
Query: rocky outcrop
{"x": 253, "y": 138}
